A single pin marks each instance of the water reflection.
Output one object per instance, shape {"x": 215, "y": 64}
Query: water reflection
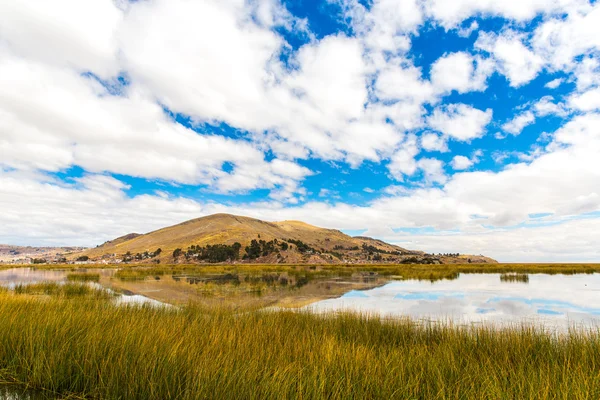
{"x": 14, "y": 277}
{"x": 554, "y": 301}
{"x": 178, "y": 286}
{"x": 13, "y": 393}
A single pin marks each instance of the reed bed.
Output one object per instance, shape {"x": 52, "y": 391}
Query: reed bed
{"x": 92, "y": 348}
{"x": 514, "y": 277}
{"x": 395, "y": 269}
{"x": 67, "y": 290}
{"x": 83, "y": 277}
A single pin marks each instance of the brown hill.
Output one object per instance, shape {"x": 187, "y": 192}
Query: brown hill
{"x": 307, "y": 243}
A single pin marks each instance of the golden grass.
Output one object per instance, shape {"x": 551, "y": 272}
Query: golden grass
{"x": 94, "y": 349}
{"x": 514, "y": 277}
{"x": 83, "y": 277}
{"x": 67, "y": 290}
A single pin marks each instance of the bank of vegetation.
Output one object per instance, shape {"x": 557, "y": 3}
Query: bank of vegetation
{"x": 84, "y": 345}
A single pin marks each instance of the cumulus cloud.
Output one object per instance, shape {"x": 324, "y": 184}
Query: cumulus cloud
{"x": 517, "y": 62}
{"x": 434, "y": 142}
{"x": 66, "y": 119}
{"x": 516, "y": 125}
{"x": 554, "y": 83}
{"x": 71, "y": 33}
{"x": 460, "y": 121}
{"x": 586, "y": 101}
{"x": 451, "y": 13}
{"x": 402, "y": 162}
{"x": 461, "y": 162}
{"x": 461, "y": 72}
{"x": 559, "y": 40}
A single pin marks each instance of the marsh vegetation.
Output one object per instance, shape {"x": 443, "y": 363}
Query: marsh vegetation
{"x": 70, "y": 338}
{"x": 514, "y": 277}
{"x": 94, "y": 349}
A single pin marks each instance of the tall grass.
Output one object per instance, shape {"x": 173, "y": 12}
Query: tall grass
{"x": 67, "y": 290}
{"x": 514, "y": 277}
{"x": 83, "y": 277}
{"x": 98, "y": 350}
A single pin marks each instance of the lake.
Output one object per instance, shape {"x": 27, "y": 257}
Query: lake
{"x": 555, "y": 302}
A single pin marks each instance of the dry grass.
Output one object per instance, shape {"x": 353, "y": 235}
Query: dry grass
{"x": 95, "y": 349}
{"x": 83, "y": 277}
{"x": 514, "y": 277}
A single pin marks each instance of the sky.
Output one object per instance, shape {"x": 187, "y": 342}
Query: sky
{"x": 468, "y": 126}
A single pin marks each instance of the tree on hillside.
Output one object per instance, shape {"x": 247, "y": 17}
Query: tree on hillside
{"x": 253, "y": 251}
{"x": 176, "y": 253}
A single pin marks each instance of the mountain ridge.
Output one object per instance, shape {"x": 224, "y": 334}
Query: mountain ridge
{"x": 191, "y": 240}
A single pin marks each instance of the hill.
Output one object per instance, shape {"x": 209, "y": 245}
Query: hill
{"x": 25, "y": 254}
{"x": 225, "y": 237}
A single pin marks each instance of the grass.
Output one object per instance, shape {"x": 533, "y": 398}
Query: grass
{"x": 67, "y": 290}
{"x": 83, "y": 277}
{"x": 393, "y": 269}
{"x": 514, "y": 277}
{"x": 91, "y": 348}
{"x": 411, "y": 271}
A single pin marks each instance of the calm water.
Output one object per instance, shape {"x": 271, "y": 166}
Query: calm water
{"x": 13, "y": 393}
{"x": 555, "y": 302}
{"x": 16, "y": 276}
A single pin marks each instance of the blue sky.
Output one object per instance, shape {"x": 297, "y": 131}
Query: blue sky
{"x": 464, "y": 126}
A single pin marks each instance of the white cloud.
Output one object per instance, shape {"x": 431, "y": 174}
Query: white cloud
{"x": 222, "y": 79}
{"x": 402, "y": 162}
{"x": 461, "y": 163}
{"x": 451, "y": 13}
{"x": 587, "y": 73}
{"x": 434, "y": 142}
{"x": 403, "y": 83}
{"x": 516, "y": 125}
{"x": 468, "y": 31}
{"x": 384, "y": 27}
{"x": 559, "y": 40}
{"x": 518, "y": 63}
{"x": 433, "y": 170}
{"x": 461, "y": 72}
{"x": 586, "y": 101}
{"x": 571, "y": 241}
{"x": 554, "y": 83}
{"x": 460, "y": 121}
{"x": 66, "y": 119}
{"x": 68, "y": 33}
{"x": 547, "y": 106}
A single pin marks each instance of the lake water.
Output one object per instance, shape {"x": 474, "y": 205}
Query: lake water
{"x": 24, "y": 276}
{"x": 555, "y": 302}
{"x": 14, "y": 393}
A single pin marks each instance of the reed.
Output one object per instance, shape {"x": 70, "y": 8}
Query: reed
{"x": 514, "y": 277}
{"x": 66, "y": 290}
{"x": 83, "y": 277}
{"x": 91, "y": 348}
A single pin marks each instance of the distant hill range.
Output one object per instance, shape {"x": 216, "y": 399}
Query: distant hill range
{"x": 25, "y": 254}
{"x": 231, "y": 238}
